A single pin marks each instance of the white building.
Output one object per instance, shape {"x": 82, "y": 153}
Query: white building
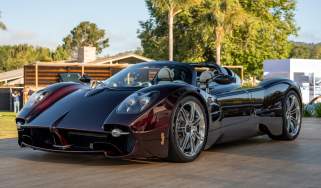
{"x": 306, "y": 72}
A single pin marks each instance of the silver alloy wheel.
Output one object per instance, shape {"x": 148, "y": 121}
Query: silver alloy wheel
{"x": 293, "y": 115}
{"x": 190, "y": 128}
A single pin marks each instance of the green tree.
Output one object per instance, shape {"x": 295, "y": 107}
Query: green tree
{"x": 189, "y": 42}
{"x": 43, "y": 54}
{"x": 223, "y": 16}
{"x": 86, "y": 34}
{"x": 301, "y": 51}
{"x": 16, "y": 56}
{"x": 265, "y": 36}
{"x": 60, "y": 54}
{"x": 316, "y": 52}
{"x": 153, "y": 39}
{"x": 172, "y": 8}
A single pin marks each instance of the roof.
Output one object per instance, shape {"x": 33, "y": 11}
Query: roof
{"x": 11, "y": 75}
{"x": 118, "y": 57}
{"x": 101, "y": 60}
{"x": 19, "y": 81}
{"x": 166, "y": 63}
{"x": 14, "y": 75}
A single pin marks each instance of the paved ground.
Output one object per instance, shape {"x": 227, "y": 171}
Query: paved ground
{"x": 257, "y": 162}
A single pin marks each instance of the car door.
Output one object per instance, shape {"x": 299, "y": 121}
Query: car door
{"x": 236, "y": 110}
{"x": 236, "y": 106}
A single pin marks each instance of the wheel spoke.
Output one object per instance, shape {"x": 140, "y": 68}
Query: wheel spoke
{"x": 292, "y": 127}
{"x": 289, "y": 125}
{"x": 192, "y": 114}
{"x": 293, "y": 119}
{"x": 185, "y": 141}
{"x": 288, "y": 104}
{"x": 192, "y": 143}
{"x": 180, "y": 128}
{"x": 291, "y": 103}
{"x": 198, "y": 136}
{"x": 184, "y": 114}
{"x": 293, "y": 112}
{"x": 195, "y": 122}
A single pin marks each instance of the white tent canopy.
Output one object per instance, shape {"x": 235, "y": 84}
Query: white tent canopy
{"x": 306, "y": 72}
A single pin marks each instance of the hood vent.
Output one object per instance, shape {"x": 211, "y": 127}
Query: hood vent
{"x": 94, "y": 92}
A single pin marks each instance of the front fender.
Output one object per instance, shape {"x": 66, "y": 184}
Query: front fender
{"x": 169, "y": 95}
{"x": 151, "y": 127}
{"x": 54, "y": 93}
{"x": 271, "y": 112}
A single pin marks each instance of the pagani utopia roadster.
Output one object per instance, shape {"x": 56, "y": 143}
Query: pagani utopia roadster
{"x": 158, "y": 109}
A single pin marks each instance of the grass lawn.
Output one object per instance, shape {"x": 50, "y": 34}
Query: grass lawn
{"x": 7, "y": 125}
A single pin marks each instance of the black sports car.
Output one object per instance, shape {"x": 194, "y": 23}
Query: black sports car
{"x": 159, "y": 109}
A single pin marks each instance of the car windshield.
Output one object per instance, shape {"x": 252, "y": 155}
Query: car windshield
{"x": 145, "y": 75}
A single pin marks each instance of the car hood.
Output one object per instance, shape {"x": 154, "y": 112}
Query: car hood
{"x": 84, "y": 109}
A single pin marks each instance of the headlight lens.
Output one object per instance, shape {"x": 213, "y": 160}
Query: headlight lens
{"x": 137, "y": 102}
{"x": 36, "y": 98}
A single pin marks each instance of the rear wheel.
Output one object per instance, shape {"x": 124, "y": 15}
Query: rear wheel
{"x": 188, "y": 130}
{"x": 292, "y": 117}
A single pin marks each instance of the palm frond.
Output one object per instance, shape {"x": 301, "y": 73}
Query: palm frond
{"x": 2, "y": 26}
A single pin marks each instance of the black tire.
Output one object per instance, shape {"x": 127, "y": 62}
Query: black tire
{"x": 286, "y": 135}
{"x": 174, "y": 153}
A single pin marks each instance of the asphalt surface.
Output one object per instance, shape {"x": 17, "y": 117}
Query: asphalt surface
{"x": 257, "y": 162}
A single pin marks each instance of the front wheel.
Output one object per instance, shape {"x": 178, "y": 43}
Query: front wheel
{"x": 188, "y": 130}
{"x": 292, "y": 117}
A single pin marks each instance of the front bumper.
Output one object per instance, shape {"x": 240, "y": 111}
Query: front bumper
{"x": 75, "y": 141}
{"x": 133, "y": 145}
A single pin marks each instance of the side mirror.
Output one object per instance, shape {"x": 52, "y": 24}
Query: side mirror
{"x": 224, "y": 79}
{"x": 85, "y": 79}
{"x": 205, "y": 79}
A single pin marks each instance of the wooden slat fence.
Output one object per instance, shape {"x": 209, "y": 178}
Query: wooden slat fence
{"x": 43, "y": 74}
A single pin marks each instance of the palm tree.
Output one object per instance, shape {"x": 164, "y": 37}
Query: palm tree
{"x": 224, "y": 16}
{"x": 2, "y": 25}
{"x": 172, "y": 8}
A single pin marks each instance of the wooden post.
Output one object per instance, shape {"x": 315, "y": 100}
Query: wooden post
{"x": 242, "y": 74}
{"x": 170, "y": 34}
{"x": 237, "y": 67}
{"x": 36, "y": 75}
{"x": 82, "y": 70}
{"x": 10, "y": 100}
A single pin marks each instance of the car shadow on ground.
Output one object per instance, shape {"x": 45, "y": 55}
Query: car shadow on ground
{"x": 300, "y": 150}
{"x": 100, "y": 160}
{"x": 297, "y": 151}
{"x": 10, "y": 149}
{"x": 82, "y": 159}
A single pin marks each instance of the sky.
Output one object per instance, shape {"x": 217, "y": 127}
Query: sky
{"x": 46, "y": 22}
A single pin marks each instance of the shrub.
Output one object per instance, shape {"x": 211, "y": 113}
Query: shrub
{"x": 307, "y": 112}
{"x": 318, "y": 110}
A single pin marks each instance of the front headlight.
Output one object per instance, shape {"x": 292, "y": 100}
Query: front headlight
{"x": 137, "y": 102}
{"x": 36, "y": 98}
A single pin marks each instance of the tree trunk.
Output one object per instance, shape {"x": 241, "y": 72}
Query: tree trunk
{"x": 170, "y": 34}
{"x": 218, "y": 54}
{"x": 218, "y": 43}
